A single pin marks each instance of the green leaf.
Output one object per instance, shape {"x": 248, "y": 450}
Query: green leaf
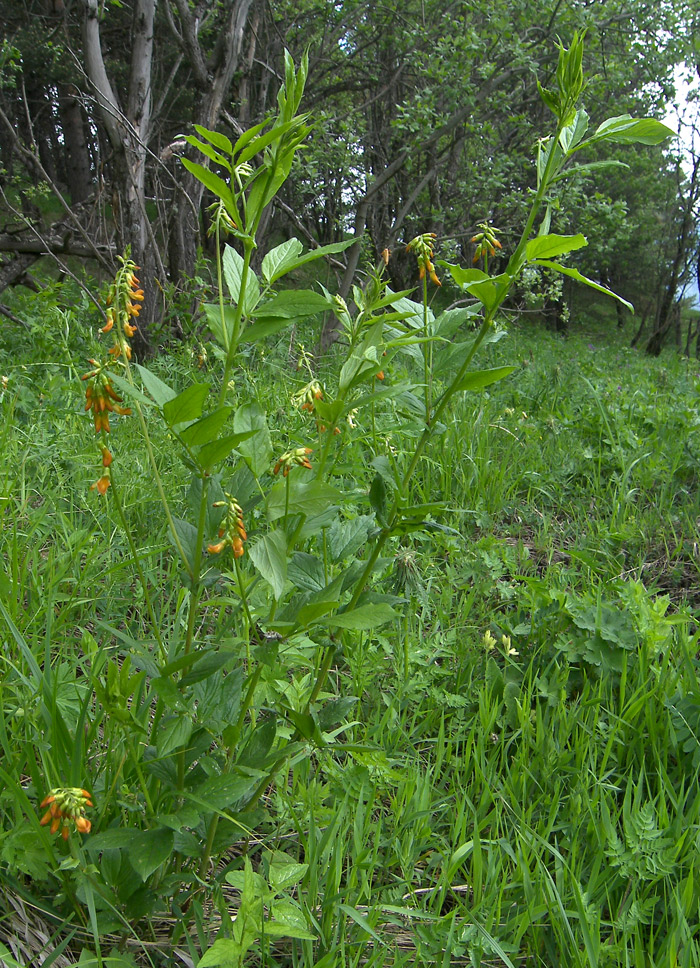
{"x": 269, "y": 555}
{"x": 149, "y": 849}
{"x": 491, "y": 290}
{"x": 575, "y": 274}
{"x": 174, "y": 733}
{"x": 463, "y": 277}
{"x": 479, "y": 379}
{"x": 160, "y": 391}
{"x": 378, "y": 498}
{"x": 364, "y": 617}
{"x": 571, "y": 135}
{"x": 257, "y": 448}
{"x": 205, "y": 430}
{"x": 547, "y": 246}
{"x": 284, "y": 872}
{"x": 220, "y": 141}
{"x": 187, "y": 534}
{"x": 306, "y": 572}
{"x": 345, "y": 538}
{"x": 233, "y": 272}
{"x": 224, "y": 953}
{"x": 628, "y": 130}
{"x": 280, "y": 260}
{"x": 224, "y": 792}
{"x": 208, "y": 151}
{"x": 293, "y": 304}
{"x": 267, "y": 327}
{"x": 187, "y": 405}
{"x": 130, "y": 391}
{"x": 319, "y": 253}
{"x": 213, "y": 453}
{"x": 217, "y": 186}
{"x": 308, "y": 499}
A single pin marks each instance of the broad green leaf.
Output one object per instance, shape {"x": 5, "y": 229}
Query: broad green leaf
{"x": 491, "y": 290}
{"x": 217, "y": 139}
{"x": 364, "y": 617}
{"x": 187, "y": 535}
{"x": 112, "y": 839}
{"x": 213, "y": 182}
{"x": 314, "y": 254}
{"x": 149, "y": 849}
{"x": 203, "y": 431}
{"x": 288, "y": 922}
{"x": 267, "y": 327}
{"x": 585, "y": 169}
{"x": 378, "y": 498}
{"x": 628, "y": 130}
{"x": 413, "y": 311}
{"x": 293, "y": 304}
{"x": 309, "y": 499}
{"x": 284, "y": 871}
{"x": 280, "y": 260}
{"x": 160, "y": 391}
{"x": 224, "y": 953}
{"x": 269, "y": 555}
{"x": 306, "y": 572}
{"x": 483, "y": 378}
{"x": 174, "y": 732}
{"x": 225, "y": 791}
{"x": 233, "y": 272}
{"x": 345, "y": 538}
{"x": 257, "y": 449}
{"x": 213, "y": 314}
{"x": 463, "y": 277}
{"x": 187, "y": 405}
{"x": 571, "y": 135}
{"x": 218, "y": 450}
{"x": 248, "y": 136}
{"x": 547, "y": 246}
{"x": 209, "y": 151}
{"x": 575, "y": 274}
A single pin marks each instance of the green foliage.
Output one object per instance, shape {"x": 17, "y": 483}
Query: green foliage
{"x": 355, "y": 650}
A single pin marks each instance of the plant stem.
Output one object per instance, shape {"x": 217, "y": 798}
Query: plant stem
{"x": 137, "y": 562}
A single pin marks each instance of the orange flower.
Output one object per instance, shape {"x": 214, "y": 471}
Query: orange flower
{"x": 67, "y": 805}
{"x": 102, "y": 484}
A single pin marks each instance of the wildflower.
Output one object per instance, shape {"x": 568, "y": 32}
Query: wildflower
{"x": 298, "y": 456}
{"x": 102, "y": 399}
{"x": 102, "y": 484}
{"x": 489, "y": 641}
{"x": 232, "y": 532}
{"x": 505, "y": 642}
{"x": 380, "y": 375}
{"x": 486, "y": 240}
{"x": 308, "y": 395}
{"x": 423, "y": 247}
{"x": 67, "y": 805}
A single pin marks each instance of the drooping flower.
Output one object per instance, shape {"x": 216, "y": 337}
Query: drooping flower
{"x": 298, "y": 456}
{"x": 423, "y": 247}
{"x": 66, "y": 806}
{"x": 232, "y": 532}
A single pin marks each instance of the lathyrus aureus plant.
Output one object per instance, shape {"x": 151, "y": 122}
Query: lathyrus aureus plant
{"x": 280, "y": 544}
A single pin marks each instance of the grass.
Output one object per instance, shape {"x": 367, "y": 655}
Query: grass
{"x": 526, "y": 797}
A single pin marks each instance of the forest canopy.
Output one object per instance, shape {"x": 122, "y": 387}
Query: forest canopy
{"x": 424, "y": 116}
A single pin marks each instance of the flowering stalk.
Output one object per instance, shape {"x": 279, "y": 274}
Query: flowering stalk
{"x": 66, "y": 806}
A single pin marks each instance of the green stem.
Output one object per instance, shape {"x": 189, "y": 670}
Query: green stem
{"x": 137, "y": 562}
{"x": 197, "y": 565}
{"x": 248, "y": 247}
{"x": 156, "y": 474}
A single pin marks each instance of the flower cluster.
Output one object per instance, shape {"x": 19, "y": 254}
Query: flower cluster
{"x": 299, "y": 456}
{"x": 67, "y": 805}
{"x": 486, "y": 240}
{"x": 308, "y": 395}
{"x": 123, "y": 306}
{"x": 232, "y": 532}
{"x": 423, "y": 247}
